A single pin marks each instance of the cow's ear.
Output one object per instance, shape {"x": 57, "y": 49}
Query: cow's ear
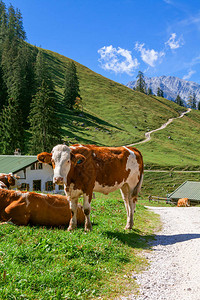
{"x": 11, "y": 179}
{"x": 78, "y": 159}
{"x": 44, "y": 157}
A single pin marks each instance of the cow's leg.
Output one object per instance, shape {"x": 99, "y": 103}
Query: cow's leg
{"x": 87, "y": 209}
{"x": 73, "y": 206}
{"x": 17, "y": 213}
{"x": 129, "y": 204}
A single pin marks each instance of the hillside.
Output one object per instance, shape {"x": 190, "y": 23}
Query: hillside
{"x": 115, "y": 115}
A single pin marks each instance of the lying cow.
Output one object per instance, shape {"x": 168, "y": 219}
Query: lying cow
{"x": 8, "y": 180}
{"x": 183, "y": 202}
{"x": 24, "y": 208}
{"x": 88, "y": 168}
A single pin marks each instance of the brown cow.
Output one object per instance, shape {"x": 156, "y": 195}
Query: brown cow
{"x": 9, "y": 180}
{"x": 183, "y": 202}
{"x": 87, "y": 168}
{"x": 24, "y": 208}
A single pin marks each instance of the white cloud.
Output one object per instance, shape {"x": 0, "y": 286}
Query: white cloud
{"x": 173, "y": 43}
{"x": 148, "y": 56}
{"x": 189, "y": 75}
{"x": 117, "y": 60}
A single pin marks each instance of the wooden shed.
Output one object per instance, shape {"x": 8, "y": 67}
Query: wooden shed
{"x": 189, "y": 189}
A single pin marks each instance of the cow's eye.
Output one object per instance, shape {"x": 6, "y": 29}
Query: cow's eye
{"x": 68, "y": 161}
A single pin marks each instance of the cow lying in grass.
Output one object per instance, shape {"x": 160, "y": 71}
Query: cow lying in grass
{"x": 8, "y": 180}
{"x": 87, "y": 168}
{"x": 183, "y": 202}
{"x": 23, "y": 208}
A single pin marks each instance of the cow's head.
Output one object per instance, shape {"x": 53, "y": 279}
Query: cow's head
{"x": 11, "y": 180}
{"x": 61, "y": 159}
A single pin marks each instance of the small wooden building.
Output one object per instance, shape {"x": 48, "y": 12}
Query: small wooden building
{"x": 34, "y": 176}
{"x": 190, "y": 190}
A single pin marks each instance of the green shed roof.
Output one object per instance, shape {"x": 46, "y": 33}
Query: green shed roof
{"x": 15, "y": 163}
{"x": 189, "y": 189}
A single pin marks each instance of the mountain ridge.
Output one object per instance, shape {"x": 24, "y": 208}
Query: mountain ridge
{"x": 171, "y": 86}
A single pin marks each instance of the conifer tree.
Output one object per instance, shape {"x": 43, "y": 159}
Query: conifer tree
{"x": 198, "y": 105}
{"x": 149, "y": 91}
{"x": 179, "y": 101}
{"x": 192, "y": 102}
{"x": 11, "y": 129}
{"x": 44, "y": 125}
{"x": 3, "y": 21}
{"x": 160, "y": 92}
{"x": 140, "y": 83}
{"x": 71, "y": 85}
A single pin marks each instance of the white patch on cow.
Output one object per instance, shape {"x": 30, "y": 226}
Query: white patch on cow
{"x": 3, "y": 186}
{"x": 75, "y": 147}
{"x": 73, "y": 193}
{"x": 37, "y": 205}
{"x": 133, "y": 166}
{"x": 18, "y": 194}
{"x": 105, "y": 189}
{"x": 61, "y": 157}
{"x": 94, "y": 154}
{"x": 45, "y": 195}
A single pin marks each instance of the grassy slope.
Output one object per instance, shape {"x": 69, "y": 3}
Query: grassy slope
{"x": 51, "y": 263}
{"x": 181, "y": 150}
{"x": 115, "y": 115}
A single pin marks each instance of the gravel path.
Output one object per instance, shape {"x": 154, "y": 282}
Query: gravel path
{"x": 148, "y": 134}
{"x": 174, "y": 271}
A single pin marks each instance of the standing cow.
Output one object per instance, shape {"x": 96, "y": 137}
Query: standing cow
{"x": 87, "y": 168}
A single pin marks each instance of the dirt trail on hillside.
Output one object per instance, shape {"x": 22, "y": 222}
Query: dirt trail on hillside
{"x": 148, "y": 134}
{"x": 174, "y": 269}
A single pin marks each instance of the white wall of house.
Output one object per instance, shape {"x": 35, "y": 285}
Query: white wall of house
{"x": 29, "y": 174}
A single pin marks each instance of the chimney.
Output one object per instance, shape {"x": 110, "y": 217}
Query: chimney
{"x": 17, "y": 151}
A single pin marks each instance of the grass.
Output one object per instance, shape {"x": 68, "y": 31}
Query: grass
{"x": 114, "y": 115}
{"x": 51, "y": 263}
{"x": 163, "y": 183}
{"x": 175, "y": 147}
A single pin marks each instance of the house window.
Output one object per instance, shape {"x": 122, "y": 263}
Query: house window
{"x": 24, "y": 187}
{"x": 33, "y": 167}
{"x": 61, "y": 187}
{"x": 37, "y": 166}
{"x": 40, "y": 166}
{"x": 49, "y": 186}
{"x": 36, "y": 185}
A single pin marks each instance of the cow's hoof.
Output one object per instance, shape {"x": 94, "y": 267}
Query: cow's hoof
{"x": 70, "y": 228}
{"x": 128, "y": 227}
{"x": 88, "y": 228}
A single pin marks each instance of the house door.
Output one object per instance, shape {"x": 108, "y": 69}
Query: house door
{"x": 36, "y": 185}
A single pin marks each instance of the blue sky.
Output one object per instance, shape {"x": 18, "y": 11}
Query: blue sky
{"x": 117, "y": 38}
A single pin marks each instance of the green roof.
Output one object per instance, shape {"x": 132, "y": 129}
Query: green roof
{"x": 15, "y": 163}
{"x": 189, "y": 189}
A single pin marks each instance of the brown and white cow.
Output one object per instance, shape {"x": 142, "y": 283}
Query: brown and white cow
{"x": 8, "y": 180}
{"x": 184, "y": 202}
{"x": 87, "y": 168}
{"x": 24, "y": 208}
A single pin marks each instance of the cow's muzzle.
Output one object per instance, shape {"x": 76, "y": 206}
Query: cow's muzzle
{"x": 59, "y": 180}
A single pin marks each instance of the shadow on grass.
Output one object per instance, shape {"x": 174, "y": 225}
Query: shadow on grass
{"x": 134, "y": 238}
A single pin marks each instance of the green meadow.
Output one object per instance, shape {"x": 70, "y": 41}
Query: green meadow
{"x": 51, "y": 263}
{"x": 114, "y": 115}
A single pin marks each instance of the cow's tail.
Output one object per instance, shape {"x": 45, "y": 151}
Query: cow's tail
{"x": 137, "y": 187}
